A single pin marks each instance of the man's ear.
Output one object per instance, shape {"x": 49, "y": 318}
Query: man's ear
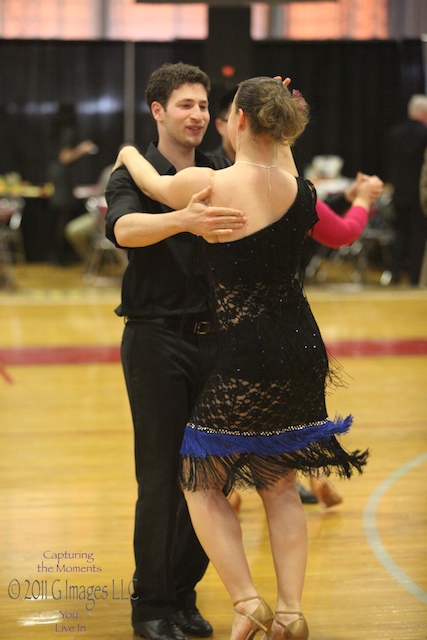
{"x": 220, "y": 124}
{"x": 157, "y": 111}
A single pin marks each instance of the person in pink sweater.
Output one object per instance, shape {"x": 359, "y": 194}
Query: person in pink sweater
{"x": 333, "y": 230}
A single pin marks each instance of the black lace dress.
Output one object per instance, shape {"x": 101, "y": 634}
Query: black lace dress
{"x": 262, "y": 411}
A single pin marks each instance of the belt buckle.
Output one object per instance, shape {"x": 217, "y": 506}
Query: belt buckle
{"x": 202, "y": 327}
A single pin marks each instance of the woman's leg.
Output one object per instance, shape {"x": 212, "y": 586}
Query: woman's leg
{"x": 288, "y": 537}
{"x": 218, "y": 528}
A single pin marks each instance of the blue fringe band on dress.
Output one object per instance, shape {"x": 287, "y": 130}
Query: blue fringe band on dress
{"x": 201, "y": 443}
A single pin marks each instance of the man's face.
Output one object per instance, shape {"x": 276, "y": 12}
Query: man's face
{"x": 186, "y": 116}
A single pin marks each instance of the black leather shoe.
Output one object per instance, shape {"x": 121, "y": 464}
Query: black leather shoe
{"x": 306, "y": 496}
{"x": 163, "y": 629}
{"x": 190, "y": 621}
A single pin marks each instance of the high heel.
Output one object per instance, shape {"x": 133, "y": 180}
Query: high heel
{"x": 297, "y": 630}
{"x": 325, "y": 492}
{"x": 261, "y": 619}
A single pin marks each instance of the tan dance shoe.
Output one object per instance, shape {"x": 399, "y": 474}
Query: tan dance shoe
{"x": 261, "y": 619}
{"x": 325, "y": 491}
{"x": 297, "y": 630}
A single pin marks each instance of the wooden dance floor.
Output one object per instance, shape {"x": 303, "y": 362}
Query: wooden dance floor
{"x": 67, "y": 488}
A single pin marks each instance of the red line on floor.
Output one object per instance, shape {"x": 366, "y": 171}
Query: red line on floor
{"x": 60, "y": 355}
{"x": 104, "y": 354}
{"x": 379, "y": 347}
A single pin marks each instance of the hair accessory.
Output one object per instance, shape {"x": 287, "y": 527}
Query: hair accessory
{"x": 300, "y": 100}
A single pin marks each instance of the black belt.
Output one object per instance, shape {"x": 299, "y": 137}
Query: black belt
{"x": 179, "y": 324}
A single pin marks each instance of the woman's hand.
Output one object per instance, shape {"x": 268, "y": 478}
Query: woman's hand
{"x": 286, "y": 82}
{"x": 369, "y": 187}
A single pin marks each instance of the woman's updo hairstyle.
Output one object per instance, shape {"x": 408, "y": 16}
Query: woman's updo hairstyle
{"x": 272, "y": 109}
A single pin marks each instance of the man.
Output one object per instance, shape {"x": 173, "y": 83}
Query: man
{"x": 225, "y": 149}
{"x": 407, "y": 142}
{"x": 167, "y": 350}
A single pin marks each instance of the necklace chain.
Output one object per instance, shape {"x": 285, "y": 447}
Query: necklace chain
{"x": 263, "y": 166}
{"x": 255, "y": 164}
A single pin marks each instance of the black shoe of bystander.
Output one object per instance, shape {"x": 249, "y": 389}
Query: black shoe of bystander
{"x": 306, "y": 496}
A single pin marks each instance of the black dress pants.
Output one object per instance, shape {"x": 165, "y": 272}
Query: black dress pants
{"x": 164, "y": 373}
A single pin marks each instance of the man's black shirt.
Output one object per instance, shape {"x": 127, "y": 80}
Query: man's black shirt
{"x": 168, "y": 278}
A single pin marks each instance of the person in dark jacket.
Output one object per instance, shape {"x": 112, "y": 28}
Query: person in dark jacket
{"x": 406, "y": 145}
{"x": 168, "y": 349}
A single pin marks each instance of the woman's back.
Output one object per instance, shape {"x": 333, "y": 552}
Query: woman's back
{"x": 264, "y": 265}
{"x": 263, "y": 192}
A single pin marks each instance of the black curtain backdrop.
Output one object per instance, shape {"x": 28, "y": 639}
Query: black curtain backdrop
{"x": 356, "y": 91}
{"x": 35, "y": 77}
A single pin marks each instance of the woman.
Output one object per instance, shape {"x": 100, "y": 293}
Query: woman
{"x": 261, "y": 416}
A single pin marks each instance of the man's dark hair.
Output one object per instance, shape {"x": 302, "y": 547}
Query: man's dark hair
{"x": 224, "y": 103}
{"x": 169, "y": 77}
